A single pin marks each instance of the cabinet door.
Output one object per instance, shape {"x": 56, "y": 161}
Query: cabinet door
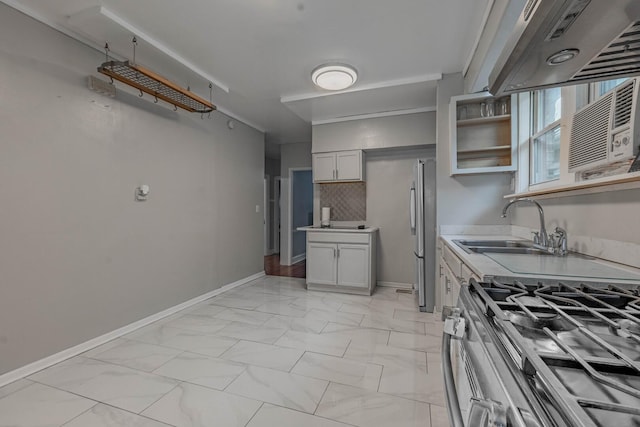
{"x": 349, "y": 165}
{"x": 353, "y": 265}
{"x": 322, "y": 263}
{"x": 324, "y": 167}
{"x": 447, "y": 280}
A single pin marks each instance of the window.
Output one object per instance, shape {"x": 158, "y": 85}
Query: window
{"x": 545, "y": 141}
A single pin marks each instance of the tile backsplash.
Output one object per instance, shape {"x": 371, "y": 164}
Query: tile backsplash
{"x": 347, "y": 200}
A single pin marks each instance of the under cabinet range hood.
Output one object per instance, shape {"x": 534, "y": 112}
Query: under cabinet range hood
{"x": 563, "y": 42}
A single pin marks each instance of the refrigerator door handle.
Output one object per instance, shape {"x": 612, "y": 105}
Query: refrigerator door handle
{"x": 412, "y": 210}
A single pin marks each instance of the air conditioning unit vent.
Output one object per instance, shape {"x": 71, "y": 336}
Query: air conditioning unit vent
{"x": 604, "y": 131}
{"x": 624, "y": 105}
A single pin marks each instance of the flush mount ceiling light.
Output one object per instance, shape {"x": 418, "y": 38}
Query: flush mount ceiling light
{"x": 562, "y": 56}
{"x": 334, "y": 76}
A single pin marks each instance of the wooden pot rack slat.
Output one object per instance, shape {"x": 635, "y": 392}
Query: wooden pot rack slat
{"x": 155, "y": 85}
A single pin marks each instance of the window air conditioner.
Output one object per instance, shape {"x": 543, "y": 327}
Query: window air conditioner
{"x": 607, "y": 130}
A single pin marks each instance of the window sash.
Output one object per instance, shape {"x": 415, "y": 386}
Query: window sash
{"x": 538, "y": 171}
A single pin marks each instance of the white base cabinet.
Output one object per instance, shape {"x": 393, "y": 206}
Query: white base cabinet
{"x": 341, "y": 262}
{"x": 453, "y": 275}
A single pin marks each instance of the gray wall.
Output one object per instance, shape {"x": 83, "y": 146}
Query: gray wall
{"x": 291, "y": 156}
{"x": 382, "y": 132}
{"x": 78, "y": 256}
{"x": 393, "y": 144}
{"x": 612, "y": 215}
{"x": 389, "y": 177}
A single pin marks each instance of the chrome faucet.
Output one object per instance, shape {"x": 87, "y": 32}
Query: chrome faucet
{"x": 541, "y": 237}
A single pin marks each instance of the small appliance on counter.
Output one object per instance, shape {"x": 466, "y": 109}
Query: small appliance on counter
{"x": 325, "y": 221}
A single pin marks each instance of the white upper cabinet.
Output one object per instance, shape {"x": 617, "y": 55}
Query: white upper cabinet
{"x": 483, "y": 137}
{"x": 338, "y": 166}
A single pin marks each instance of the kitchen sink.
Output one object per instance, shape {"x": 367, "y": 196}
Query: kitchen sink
{"x": 501, "y": 247}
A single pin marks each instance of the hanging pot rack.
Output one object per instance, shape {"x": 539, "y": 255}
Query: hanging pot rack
{"x": 155, "y": 85}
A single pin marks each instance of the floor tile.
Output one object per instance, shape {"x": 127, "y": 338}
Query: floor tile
{"x": 339, "y": 370}
{"x": 322, "y": 303}
{"x": 317, "y": 343}
{"x": 362, "y": 337}
{"x": 183, "y": 339}
{"x": 350, "y": 319}
{"x": 296, "y": 324}
{"x": 413, "y": 384}
{"x": 280, "y": 388}
{"x": 426, "y": 343}
{"x": 265, "y": 355}
{"x": 245, "y": 331}
{"x": 365, "y": 408}
{"x": 439, "y": 416}
{"x": 272, "y": 416}
{"x": 115, "y": 385}
{"x": 281, "y": 307}
{"x": 13, "y": 387}
{"x": 205, "y": 309}
{"x": 202, "y": 370}
{"x": 237, "y": 301}
{"x": 383, "y": 322}
{"x": 360, "y": 308}
{"x": 203, "y": 324}
{"x": 40, "y": 406}
{"x": 108, "y": 416}
{"x": 190, "y": 405}
{"x": 413, "y": 315}
{"x": 389, "y": 357}
{"x": 134, "y": 354}
{"x": 435, "y": 329}
{"x": 244, "y": 316}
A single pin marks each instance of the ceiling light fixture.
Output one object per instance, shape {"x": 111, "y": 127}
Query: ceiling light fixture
{"x": 334, "y": 76}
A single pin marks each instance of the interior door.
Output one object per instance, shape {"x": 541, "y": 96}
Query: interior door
{"x": 353, "y": 265}
{"x": 322, "y": 263}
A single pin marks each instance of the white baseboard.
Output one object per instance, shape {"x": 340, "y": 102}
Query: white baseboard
{"x": 48, "y": 361}
{"x": 296, "y": 259}
{"x": 395, "y": 285}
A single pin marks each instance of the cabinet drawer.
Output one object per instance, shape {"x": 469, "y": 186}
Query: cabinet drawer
{"x": 452, "y": 261}
{"x": 329, "y": 237}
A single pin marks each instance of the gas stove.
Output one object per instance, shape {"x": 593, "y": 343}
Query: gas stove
{"x": 544, "y": 355}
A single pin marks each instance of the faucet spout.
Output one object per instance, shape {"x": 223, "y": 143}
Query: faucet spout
{"x": 544, "y": 239}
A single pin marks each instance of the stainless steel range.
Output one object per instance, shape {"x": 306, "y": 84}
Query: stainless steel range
{"x": 543, "y": 355}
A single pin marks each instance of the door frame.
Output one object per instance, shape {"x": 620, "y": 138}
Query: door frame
{"x": 277, "y": 209}
{"x": 285, "y": 258}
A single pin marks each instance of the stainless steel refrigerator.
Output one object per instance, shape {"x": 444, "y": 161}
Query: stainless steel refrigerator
{"x": 423, "y": 227}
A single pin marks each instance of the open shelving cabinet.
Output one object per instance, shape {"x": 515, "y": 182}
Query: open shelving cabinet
{"x": 482, "y": 144}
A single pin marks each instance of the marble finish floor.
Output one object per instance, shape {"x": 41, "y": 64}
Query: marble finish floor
{"x": 266, "y": 354}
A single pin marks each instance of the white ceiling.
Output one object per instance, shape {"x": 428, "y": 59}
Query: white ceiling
{"x": 259, "y": 54}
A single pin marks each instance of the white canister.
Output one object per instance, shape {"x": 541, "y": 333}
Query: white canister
{"x": 325, "y": 220}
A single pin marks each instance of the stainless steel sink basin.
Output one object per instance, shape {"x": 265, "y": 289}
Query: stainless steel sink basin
{"x": 500, "y": 247}
{"x": 495, "y": 243}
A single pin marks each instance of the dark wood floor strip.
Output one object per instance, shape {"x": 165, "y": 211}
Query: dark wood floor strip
{"x": 272, "y": 267}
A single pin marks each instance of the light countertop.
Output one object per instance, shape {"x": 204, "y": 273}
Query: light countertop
{"x": 572, "y": 268}
{"x": 339, "y": 229}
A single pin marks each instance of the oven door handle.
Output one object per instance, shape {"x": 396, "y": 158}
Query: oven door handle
{"x": 453, "y": 406}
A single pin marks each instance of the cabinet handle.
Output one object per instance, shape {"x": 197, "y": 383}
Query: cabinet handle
{"x": 337, "y": 173}
{"x": 440, "y": 270}
{"x": 334, "y": 252}
{"x": 338, "y": 252}
{"x": 448, "y": 284}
